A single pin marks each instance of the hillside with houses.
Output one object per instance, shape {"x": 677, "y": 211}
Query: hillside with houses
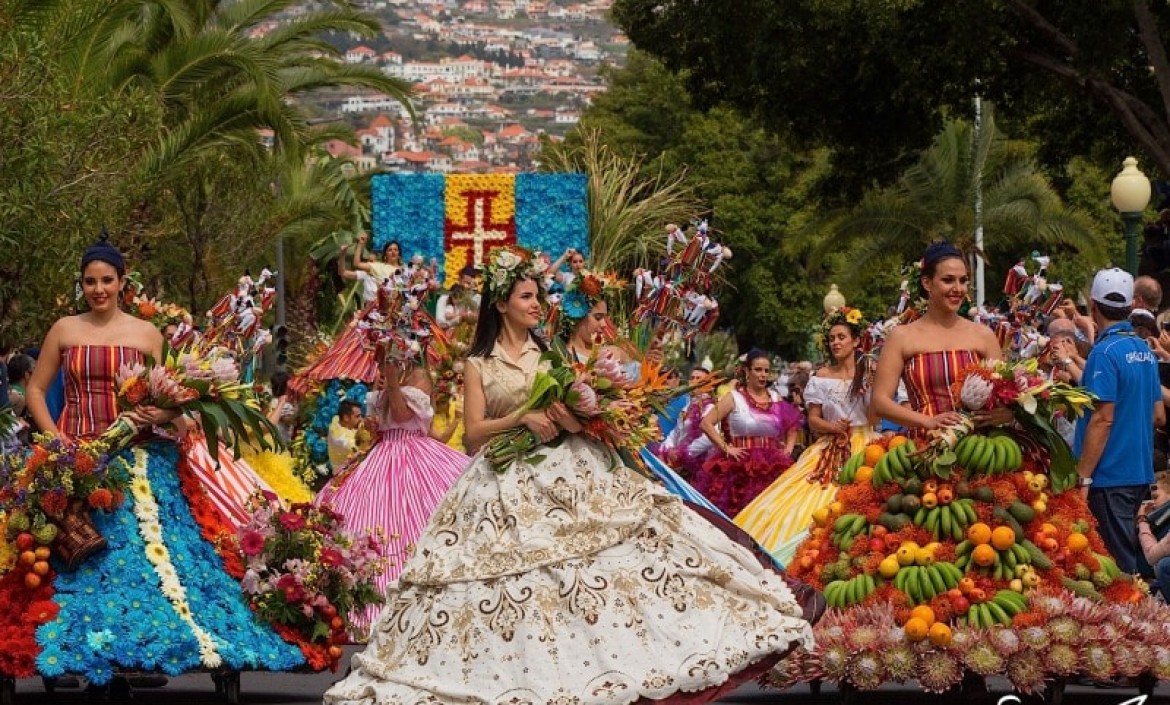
{"x": 490, "y": 77}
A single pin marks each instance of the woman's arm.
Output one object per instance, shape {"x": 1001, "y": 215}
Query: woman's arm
{"x": 478, "y": 428}
{"x": 555, "y": 266}
{"x": 341, "y": 270}
{"x": 711, "y": 421}
{"x": 822, "y": 426}
{"x": 44, "y": 372}
{"x": 357, "y": 254}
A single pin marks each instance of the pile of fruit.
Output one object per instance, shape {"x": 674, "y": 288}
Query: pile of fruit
{"x": 943, "y": 548}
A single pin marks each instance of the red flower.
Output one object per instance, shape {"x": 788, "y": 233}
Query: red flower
{"x": 101, "y": 498}
{"x": 54, "y": 502}
{"x": 331, "y": 557}
{"x": 292, "y": 522}
{"x": 117, "y": 498}
{"x": 42, "y": 612}
{"x": 252, "y": 543}
{"x": 38, "y": 458}
{"x": 137, "y": 391}
{"x": 84, "y": 463}
{"x": 293, "y": 592}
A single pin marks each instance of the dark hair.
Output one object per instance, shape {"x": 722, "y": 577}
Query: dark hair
{"x": 1113, "y": 313}
{"x": 490, "y": 321}
{"x": 753, "y": 355}
{"x": 103, "y": 251}
{"x": 279, "y": 383}
{"x": 386, "y": 248}
{"x": 18, "y": 366}
{"x": 347, "y": 407}
{"x": 797, "y": 379}
{"x": 935, "y": 255}
{"x": 468, "y": 271}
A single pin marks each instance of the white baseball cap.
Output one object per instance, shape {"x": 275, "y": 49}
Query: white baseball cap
{"x": 1113, "y": 287}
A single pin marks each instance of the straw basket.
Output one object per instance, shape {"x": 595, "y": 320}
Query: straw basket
{"x": 77, "y": 537}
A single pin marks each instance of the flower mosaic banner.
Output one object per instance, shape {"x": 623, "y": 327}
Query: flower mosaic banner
{"x": 460, "y": 218}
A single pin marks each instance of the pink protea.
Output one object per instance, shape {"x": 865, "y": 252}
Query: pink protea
{"x": 1097, "y": 661}
{"x": 939, "y": 671}
{"x": 1132, "y": 659}
{"x": 963, "y": 638}
{"x": 983, "y": 659}
{"x": 583, "y": 400}
{"x": 834, "y": 660}
{"x": 976, "y": 393}
{"x": 1064, "y": 630}
{"x": 128, "y": 370}
{"x": 1061, "y": 660}
{"x": 1026, "y": 672}
{"x": 1161, "y": 662}
{"x": 864, "y": 637}
{"x": 609, "y": 368}
{"x": 1005, "y": 640}
{"x": 1035, "y": 638}
{"x": 1085, "y": 611}
{"x": 899, "y": 662}
{"x": 865, "y": 670}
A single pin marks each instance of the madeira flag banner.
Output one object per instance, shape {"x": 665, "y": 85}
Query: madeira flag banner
{"x": 459, "y": 218}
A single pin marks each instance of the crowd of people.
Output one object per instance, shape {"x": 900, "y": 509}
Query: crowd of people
{"x": 570, "y": 572}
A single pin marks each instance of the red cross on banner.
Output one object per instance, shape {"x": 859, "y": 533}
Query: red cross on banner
{"x": 478, "y": 233}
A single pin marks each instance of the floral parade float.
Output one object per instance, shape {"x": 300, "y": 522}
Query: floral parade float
{"x": 60, "y": 502}
{"x": 971, "y": 554}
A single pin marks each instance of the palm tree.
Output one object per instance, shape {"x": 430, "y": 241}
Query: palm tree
{"x": 935, "y": 200}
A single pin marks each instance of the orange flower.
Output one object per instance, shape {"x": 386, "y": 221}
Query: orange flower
{"x": 136, "y": 391}
{"x": 38, "y": 458}
{"x": 591, "y": 286}
{"x": 147, "y": 308}
{"x": 101, "y": 498}
{"x": 84, "y": 463}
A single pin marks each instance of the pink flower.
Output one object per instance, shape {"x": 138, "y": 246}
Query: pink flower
{"x": 291, "y": 587}
{"x": 583, "y": 399}
{"x": 252, "y": 543}
{"x": 292, "y": 522}
{"x": 331, "y": 557}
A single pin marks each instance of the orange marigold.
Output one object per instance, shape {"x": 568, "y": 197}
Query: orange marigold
{"x": 84, "y": 463}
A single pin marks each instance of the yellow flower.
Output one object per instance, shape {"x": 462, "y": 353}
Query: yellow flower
{"x": 157, "y": 553}
{"x": 853, "y": 317}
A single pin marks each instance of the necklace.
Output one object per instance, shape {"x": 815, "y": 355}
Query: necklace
{"x": 758, "y": 405}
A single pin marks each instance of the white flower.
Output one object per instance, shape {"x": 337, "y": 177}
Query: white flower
{"x": 507, "y": 259}
{"x": 976, "y": 392}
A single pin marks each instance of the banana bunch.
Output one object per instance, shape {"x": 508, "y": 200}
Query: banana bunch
{"x": 848, "y": 471}
{"x": 842, "y": 593}
{"x": 922, "y": 583}
{"x": 846, "y": 528}
{"x": 948, "y": 520}
{"x": 989, "y": 454}
{"x": 894, "y": 465}
{"x": 1000, "y": 609}
{"x": 1006, "y": 561}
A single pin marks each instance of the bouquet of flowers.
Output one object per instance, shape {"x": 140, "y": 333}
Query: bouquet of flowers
{"x": 612, "y": 408}
{"x": 398, "y": 326}
{"x": 193, "y": 380}
{"x": 1034, "y": 401}
{"x": 55, "y": 479}
{"x": 305, "y": 576}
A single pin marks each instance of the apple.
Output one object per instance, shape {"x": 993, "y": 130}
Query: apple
{"x": 25, "y": 541}
{"x": 960, "y": 605}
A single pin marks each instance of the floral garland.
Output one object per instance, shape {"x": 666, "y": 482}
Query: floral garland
{"x": 841, "y": 316}
{"x": 585, "y": 291}
{"x": 146, "y": 511}
{"x": 214, "y": 527}
{"x": 508, "y": 265}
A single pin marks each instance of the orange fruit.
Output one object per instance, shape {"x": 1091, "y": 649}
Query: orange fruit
{"x": 41, "y": 567}
{"x": 32, "y": 581}
{"x": 979, "y": 533}
{"x": 836, "y": 507}
{"x": 940, "y": 634}
{"x": 873, "y": 453}
{"x": 983, "y": 555}
{"x": 1077, "y": 542}
{"x": 897, "y": 441}
{"x": 42, "y": 553}
{"x": 28, "y": 557}
{"x": 1048, "y": 529}
{"x": 1003, "y": 538}
{"x": 864, "y": 474}
{"x": 916, "y": 629}
{"x": 923, "y": 612}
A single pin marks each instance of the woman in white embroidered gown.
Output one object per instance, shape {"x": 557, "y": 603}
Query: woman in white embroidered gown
{"x": 563, "y": 579}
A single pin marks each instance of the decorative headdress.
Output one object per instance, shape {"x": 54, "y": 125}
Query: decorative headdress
{"x": 842, "y": 316}
{"x": 508, "y": 265}
{"x": 586, "y": 291}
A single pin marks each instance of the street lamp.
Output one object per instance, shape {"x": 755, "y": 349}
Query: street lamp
{"x": 833, "y": 300}
{"x": 1130, "y": 194}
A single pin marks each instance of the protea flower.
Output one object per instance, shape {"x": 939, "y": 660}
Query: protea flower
{"x": 1097, "y": 661}
{"x": 865, "y": 670}
{"x": 1005, "y": 640}
{"x": 1132, "y": 659}
{"x": 1064, "y": 630}
{"x": 939, "y": 671}
{"x": 1026, "y": 672}
{"x": 864, "y": 637}
{"x": 899, "y": 662}
{"x": 976, "y": 392}
{"x": 834, "y": 659}
{"x": 983, "y": 659}
{"x": 1161, "y": 662}
{"x": 1061, "y": 660}
{"x": 1035, "y": 638}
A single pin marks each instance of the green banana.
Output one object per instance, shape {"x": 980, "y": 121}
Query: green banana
{"x": 998, "y": 613}
{"x": 936, "y": 579}
{"x": 932, "y": 519}
{"x": 944, "y": 522}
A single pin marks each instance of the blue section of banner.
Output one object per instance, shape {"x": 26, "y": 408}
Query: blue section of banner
{"x": 408, "y": 209}
{"x": 552, "y": 212}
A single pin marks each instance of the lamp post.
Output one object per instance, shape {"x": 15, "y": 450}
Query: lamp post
{"x": 833, "y": 300}
{"x": 1130, "y": 194}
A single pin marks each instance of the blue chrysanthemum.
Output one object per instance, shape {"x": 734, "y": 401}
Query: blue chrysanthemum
{"x": 575, "y": 305}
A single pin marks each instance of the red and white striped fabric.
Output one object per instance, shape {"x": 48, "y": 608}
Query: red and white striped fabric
{"x": 228, "y": 486}
{"x": 394, "y": 490}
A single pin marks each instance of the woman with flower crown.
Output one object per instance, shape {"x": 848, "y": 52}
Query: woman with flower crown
{"x": 157, "y": 597}
{"x": 394, "y": 489}
{"x": 753, "y": 431}
{"x": 566, "y": 577}
{"x": 837, "y": 399}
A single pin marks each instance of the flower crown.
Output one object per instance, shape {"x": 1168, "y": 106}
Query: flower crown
{"x": 586, "y": 290}
{"x": 508, "y": 265}
{"x": 843, "y": 316}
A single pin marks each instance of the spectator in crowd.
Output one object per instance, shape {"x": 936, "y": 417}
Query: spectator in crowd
{"x": 1068, "y": 363}
{"x": 461, "y": 302}
{"x": 1086, "y": 330}
{"x": 1115, "y": 441}
{"x": 343, "y": 431}
{"x": 20, "y": 369}
{"x": 1155, "y": 540}
{"x": 281, "y": 412}
{"x": 1147, "y": 294}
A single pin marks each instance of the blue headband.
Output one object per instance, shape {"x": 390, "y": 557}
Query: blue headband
{"x": 103, "y": 251}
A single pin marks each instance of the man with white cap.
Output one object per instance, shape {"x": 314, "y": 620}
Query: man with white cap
{"x": 1115, "y": 442}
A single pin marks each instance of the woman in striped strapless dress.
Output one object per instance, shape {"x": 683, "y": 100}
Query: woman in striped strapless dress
{"x": 157, "y": 597}
{"x": 397, "y": 485}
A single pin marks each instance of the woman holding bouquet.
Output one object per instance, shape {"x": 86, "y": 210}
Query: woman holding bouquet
{"x": 763, "y": 429}
{"x": 565, "y": 576}
{"x": 157, "y": 597}
{"x": 838, "y": 398}
{"x": 396, "y": 486}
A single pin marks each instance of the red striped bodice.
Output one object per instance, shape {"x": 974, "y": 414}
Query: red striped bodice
{"x": 90, "y": 394}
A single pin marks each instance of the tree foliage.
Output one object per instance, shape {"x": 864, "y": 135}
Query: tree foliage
{"x": 875, "y": 79}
